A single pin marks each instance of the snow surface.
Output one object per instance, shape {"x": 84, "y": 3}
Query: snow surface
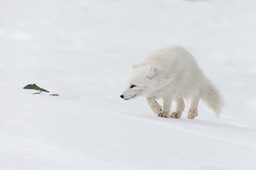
{"x": 83, "y": 50}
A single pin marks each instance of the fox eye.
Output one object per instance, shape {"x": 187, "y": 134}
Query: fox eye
{"x": 132, "y": 86}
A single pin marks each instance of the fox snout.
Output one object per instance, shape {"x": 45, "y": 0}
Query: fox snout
{"x": 122, "y": 96}
{"x": 127, "y": 97}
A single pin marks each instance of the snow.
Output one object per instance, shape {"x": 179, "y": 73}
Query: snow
{"x": 83, "y": 50}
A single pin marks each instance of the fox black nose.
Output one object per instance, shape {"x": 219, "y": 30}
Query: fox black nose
{"x": 122, "y": 96}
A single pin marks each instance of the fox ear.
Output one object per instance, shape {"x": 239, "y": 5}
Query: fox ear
{"x": 151, "y": 72}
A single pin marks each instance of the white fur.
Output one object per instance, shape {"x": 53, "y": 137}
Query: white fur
{"x": 172, "y": 74}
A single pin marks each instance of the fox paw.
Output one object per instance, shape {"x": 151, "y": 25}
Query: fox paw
{"x": 157, "y": 111}
{"x": 192, "y": 114}
{"x": 176, "y": 115}
{"x": 163, "y": 114}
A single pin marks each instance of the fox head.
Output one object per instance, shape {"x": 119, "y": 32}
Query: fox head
{"x": 141, "y": 82}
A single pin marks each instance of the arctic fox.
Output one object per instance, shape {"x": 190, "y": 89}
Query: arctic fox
{"x": 172, "y": 74}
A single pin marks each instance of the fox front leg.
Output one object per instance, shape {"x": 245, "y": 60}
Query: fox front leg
{"x": 179, "y": 108}
{"x": 166, "y": 107}
{"x": 157, "y": 109}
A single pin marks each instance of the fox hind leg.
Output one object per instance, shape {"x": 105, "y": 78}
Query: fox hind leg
{"x": 179, "y": 108}
{"x": 193, "y": 112}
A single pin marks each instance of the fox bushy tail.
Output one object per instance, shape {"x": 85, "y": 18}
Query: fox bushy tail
{"x": 211, "y": 96}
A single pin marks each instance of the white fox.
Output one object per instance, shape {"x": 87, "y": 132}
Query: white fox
{"x": 172, "y": 74}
